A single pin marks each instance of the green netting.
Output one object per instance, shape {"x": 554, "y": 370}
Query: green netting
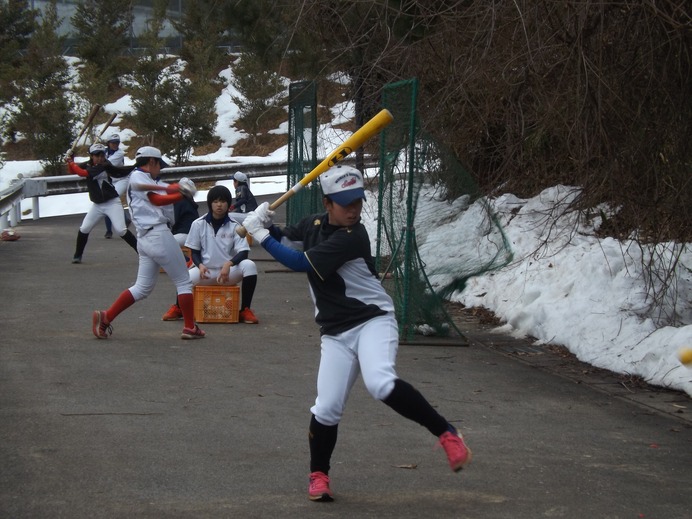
{"x": 424, "y": 257}
{"x": 302, "y": 149}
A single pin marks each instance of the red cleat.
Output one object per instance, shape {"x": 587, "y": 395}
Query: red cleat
{"x": 192, "y": 333}
{"x": 100, "y": 325}
{"x": 318, "y": 490}
{"x": 247, "y": 316}
{"x": 458, "y": 453}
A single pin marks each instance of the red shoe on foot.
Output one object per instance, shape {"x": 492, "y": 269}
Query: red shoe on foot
{"x": 318, "y": 490}
{"x": 192, "y": 333}
{"x": 100, "y": 325}
{"x": 458, "y": 454}
{"x": 174, "y": 313}
{"x": 247, "y": 316}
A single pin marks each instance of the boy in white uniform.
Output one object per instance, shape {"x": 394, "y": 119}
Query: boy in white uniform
{"x": 152, "y": 214}
{"x": 220, "y": 256}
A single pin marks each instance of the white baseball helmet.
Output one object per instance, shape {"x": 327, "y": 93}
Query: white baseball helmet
{"x": 96, "y": 148}
{"x": 149, "y": 152}
{"x": 343, "y": 184}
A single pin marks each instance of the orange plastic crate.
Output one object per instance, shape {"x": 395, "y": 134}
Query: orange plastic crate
{"x": 217, "y": 304}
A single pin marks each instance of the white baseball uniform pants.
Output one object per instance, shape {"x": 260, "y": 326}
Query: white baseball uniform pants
{"x": 235, "y": 275}
{"x": 180, "y": 238}
{"x": 158, "y": 248}
{"x": 369, "y": 349}
{"x": 113, "y": 209}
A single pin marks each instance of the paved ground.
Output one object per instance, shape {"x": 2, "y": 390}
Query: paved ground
{"x": 147, "y": 425}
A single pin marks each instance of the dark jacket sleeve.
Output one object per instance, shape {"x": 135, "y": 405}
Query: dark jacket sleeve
{"x": 118, "y": 171}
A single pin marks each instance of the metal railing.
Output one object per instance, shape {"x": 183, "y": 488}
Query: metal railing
{"x": 37, "y": 187}
{"x": 10, "y": 206}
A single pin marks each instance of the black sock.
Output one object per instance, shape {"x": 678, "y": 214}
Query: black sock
{"x": 409, "y": 403}
{"x": 130, "y": 239}
{"x": 322, "y": 439}
{"x": 247, "y": 289}
{"x": 81, "y": 244}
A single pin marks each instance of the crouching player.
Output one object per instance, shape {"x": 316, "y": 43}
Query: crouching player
{"x": 220, "y": 256}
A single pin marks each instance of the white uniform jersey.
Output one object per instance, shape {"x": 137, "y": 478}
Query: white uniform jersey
{"x": 216, "y": 248}
{"x": 117, "y": 158}
{"x": 145, "y": 215}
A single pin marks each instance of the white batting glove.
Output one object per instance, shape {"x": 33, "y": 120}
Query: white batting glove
{"x": 254, "y": 226}
{"x": 265, "y": 214}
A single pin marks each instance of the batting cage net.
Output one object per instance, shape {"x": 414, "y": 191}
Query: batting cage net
{"x": 427, "y": 255}
{"x": 309, "y": 142}
{"x": 302, "y": 149}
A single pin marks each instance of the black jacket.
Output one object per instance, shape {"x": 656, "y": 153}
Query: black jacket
{"x": 186, "y": 212}
{"x": 244, "y": 200}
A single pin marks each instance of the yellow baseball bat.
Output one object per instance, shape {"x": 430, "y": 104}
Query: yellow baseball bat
{"x": 355, "y": 141}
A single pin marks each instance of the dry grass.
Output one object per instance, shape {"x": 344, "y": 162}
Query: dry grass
{"x": 18, "y": 151}
{"x": 259, "y": 145}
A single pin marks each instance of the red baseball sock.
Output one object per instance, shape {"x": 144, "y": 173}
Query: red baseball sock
{"x": 124, "y": 301}
{"x": 187, "y": 306}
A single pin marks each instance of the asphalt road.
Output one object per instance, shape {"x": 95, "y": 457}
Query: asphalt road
{"x": 147, "y": 425}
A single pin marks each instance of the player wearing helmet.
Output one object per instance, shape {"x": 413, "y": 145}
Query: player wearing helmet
{"x": 105, "y": 200}
{"x": 358, "y": 327}
{"x": 244, "y": 199}
{"x": 152, "y": 215}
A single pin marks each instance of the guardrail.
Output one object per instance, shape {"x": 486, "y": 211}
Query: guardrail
{"x": 36, "y": 187}
{"x": 10, "y": 206}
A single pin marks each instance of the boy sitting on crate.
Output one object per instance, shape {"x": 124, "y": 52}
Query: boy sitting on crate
{"x": 219, "y": 255}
